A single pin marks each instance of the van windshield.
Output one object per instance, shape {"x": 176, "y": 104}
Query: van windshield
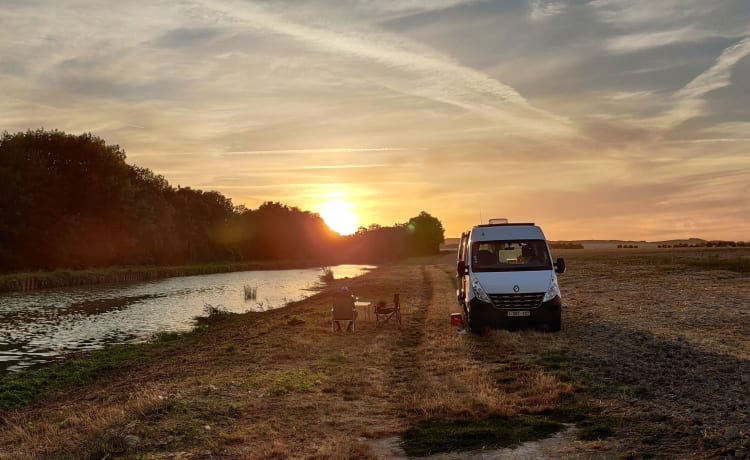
{"x": 513, "y": 255}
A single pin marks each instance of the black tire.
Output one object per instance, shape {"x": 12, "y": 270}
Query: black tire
{"x": 555, "y": 325}
{"x": 475, "y": 325}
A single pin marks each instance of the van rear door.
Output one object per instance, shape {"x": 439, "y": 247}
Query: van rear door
{"x": 461, "y": 263}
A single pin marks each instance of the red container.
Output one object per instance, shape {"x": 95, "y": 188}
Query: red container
{"x": 456, "y": 319}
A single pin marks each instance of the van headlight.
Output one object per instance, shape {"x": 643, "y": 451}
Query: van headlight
{"x": 479, "y": 291}
{"x": 552, "y": 292}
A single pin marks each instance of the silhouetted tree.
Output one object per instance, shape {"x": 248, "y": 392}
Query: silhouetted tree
{"x": 70, "y": 201}
{"x": 377, "y": 244}
{"x": 278, "y": 232}
{"x": 426, "y": 233}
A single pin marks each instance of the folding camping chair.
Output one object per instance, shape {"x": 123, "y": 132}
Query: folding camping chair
{"x": 387, "y": 312}
{"x": 343, "y": 310}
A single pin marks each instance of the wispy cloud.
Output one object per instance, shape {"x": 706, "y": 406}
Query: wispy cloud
{"x": 543, "y": 9}
{"x": 719, "y": 75}
{"x": 440, "y": 78}
{"x": 647, "y": 24}
{"x": 624, "y": 95}
{"x": 629, "y": 13}
{"x": 346, "y": 166}
{"x": 306, "y": 151}
{"x": 647, "y": 40}
{"x": 401, "y": 6}
{"x": 741, "y": 128}
{"x": 689, "y": 100}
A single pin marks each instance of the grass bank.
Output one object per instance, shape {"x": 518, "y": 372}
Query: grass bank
{"x": 31, "y": 281}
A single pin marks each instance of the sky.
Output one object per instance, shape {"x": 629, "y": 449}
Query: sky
{"x": 596, "y": 119}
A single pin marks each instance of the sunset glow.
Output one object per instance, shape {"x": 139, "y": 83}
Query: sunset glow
{"x": 596, "y": 119}
{"x": 339, "y": 217}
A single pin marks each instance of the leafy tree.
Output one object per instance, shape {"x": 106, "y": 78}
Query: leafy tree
{"x": 377, "y": 244}
{"x": 426, "y": 234}
{"x": 72, "y": 201}
{"x": 278, "y": 232}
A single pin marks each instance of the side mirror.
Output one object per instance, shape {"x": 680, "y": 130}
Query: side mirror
{"x": 461, "y": 268}
{"x": 560, "y": 265}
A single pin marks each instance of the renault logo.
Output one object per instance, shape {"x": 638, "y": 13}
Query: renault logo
{"x": 516, "y": 288}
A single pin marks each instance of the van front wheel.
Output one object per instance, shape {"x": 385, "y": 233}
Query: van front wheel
{"x": 476, "y": 325}
{"x": 554, "y": 325}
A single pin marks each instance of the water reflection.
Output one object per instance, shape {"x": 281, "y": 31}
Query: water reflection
{"x": 43, "y": 326}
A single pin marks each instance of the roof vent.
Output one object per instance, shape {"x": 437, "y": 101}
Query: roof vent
{"x": 498, "y": 221}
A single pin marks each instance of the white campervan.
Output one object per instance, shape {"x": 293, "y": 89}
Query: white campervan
{"x": 506, "y": 277}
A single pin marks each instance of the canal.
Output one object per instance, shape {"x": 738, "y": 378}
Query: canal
{"x": 43, "y": 326}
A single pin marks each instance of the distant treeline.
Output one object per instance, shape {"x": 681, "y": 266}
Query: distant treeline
{"x": 72, "y": 202}
{"x": 560, "y": 245}
{"x": 708, "y": 244}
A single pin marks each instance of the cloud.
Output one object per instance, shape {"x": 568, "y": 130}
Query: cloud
{"x": 541, "y": 9}
{"x": 719, "y": 75}
{"x": 401, "y": 6}
{"x": 689, "y": 100}
{"x": 652, "y": 24}
{"x": 187, "y": 37}
{"x": 439, "y": 78}
{"x": 623, "y": 95}
{"x": 636, "y": 42}
{"x": 732, "y": 128}
{"x": 331, "y": 150}
{"x": 629, "y": 13}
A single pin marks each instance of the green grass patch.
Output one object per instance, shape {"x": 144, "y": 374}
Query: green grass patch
{"x": 301, "y": 381}
{"x": 637, "y": 391}
{"x": 338, "y": 359}
{"x": 588, "y": 418}
{"x": 435, "y": 436}
{"x": 572, "y": 411}
{"x": 652, "y": 434}
{"x": 597, "y": 428}
{"x": 282, "y": 383}
{"x": 18, "y": 390}
{"x": 555, "y": 359}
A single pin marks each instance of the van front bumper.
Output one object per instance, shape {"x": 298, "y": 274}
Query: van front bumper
{"x": 490, "y": 316}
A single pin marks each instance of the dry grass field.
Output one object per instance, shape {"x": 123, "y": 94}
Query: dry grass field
{"x": 652, "y": 362}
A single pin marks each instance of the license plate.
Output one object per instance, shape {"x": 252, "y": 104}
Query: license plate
{"x": 519, "y": 313}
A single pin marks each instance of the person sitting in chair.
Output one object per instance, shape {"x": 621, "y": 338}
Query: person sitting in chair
{"x": 343, "y": 303}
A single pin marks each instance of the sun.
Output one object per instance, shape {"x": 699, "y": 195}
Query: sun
{"x": 339, "y": 217}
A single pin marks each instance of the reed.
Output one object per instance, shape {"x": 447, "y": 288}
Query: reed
{"x": 327, "y": 275}
{"x": 251, "y": 292}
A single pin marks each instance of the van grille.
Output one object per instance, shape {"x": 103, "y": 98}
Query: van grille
{"x": 530, "y": 300}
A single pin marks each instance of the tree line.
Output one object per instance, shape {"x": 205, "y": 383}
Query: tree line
{"x": 72, "y": 201}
